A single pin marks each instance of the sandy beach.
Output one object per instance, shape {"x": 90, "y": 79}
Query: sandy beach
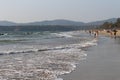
{"x": 105, "y": 33}
{"x": 102, "y": 62}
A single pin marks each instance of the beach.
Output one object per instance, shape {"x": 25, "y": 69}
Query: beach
{"x": 105, "y": 33}
{"x": 102, "y": 62}
{"x": 73, "y": 55}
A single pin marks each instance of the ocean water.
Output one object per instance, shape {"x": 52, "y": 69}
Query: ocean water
{"x": 41, "y": 55}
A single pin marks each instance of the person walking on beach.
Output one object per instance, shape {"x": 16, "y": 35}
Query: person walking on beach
{"x": 114, "y": 33}
{"x": 110, "y": 32}
{"x": 90, "y": 32}
{"x": 96, "y": 33}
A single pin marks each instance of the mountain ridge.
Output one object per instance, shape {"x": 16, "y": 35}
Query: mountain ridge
{"x": 112, "y": 20}
{"x": 61, "y": 22}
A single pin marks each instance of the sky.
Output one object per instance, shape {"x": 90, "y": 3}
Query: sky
{"x": 78, "y": 10}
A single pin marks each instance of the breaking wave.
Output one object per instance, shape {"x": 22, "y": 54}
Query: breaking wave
{"x": 29, "y": 61}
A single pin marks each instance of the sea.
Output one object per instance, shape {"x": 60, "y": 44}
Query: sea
{"x": 43, "y": 55}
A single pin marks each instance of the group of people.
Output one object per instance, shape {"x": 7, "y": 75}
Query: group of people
{"x": 113, "y": 33}
{"x": 95, "y": 33}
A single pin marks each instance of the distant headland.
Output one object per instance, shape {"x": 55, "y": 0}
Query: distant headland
{"x": 52, "y": 25}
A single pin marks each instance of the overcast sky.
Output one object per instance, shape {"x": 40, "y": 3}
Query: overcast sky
{"x": 77, "y": 10}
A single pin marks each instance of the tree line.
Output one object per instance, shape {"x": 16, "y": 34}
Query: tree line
{"x": 110, "y": 25}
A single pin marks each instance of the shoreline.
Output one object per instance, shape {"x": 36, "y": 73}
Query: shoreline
{"x": 99, "y": 62}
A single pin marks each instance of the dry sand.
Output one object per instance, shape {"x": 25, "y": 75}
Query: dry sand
{"x": 105, "y": 33}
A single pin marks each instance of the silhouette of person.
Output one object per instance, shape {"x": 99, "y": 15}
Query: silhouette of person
{"x": 114, "y": 33}
{"x": 96, "y": 33}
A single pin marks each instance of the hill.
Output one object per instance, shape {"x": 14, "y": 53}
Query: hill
{"x": 112, "y": 20}
{"x": 60, "y": 22}
{"x": 57, "y": 22}
{"x": 7, "y": 23}
{"x": 52, "y": 25}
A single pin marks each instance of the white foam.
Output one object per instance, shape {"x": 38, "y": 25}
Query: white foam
{"x": 64, "y": 34}
{"x": 47, "y": 65}
{"x": 59, "y": 79}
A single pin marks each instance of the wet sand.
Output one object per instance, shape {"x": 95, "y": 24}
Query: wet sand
{"x": 102, "y": 62}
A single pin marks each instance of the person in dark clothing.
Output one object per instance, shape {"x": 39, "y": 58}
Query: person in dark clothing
{"x": 90, "y": 32}
{"x": 96, "y": 33}
{"x": 114, "y": 33}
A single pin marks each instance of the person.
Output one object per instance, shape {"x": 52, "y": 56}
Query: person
{"x": 114, "y": 33}
{"x": 90, "y": 32}
{"x": 96, "y": 33}
{"x": 111, "y": 34}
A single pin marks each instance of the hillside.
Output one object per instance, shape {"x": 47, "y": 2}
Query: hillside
{"x": 61, "y": 22}
{"x": 53, "y": 25}
{"x": 102, "y": 21}
{"x": 57, "y": 22}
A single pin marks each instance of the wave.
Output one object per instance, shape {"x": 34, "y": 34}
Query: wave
{"x": 30, "y": 49}
{"x": 59, "y": 79}
{"x": 64, "y": 34}
{"x": 42, "y": 62}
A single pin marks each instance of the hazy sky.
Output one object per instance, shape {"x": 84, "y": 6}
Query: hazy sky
{"x": 78, "y": 10}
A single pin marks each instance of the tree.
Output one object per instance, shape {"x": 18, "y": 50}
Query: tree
{"x": 117, "y": 24}
{"x": 107, "y": 25}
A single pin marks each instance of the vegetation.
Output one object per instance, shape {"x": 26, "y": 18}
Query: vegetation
{"x": 110, "y": 25}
